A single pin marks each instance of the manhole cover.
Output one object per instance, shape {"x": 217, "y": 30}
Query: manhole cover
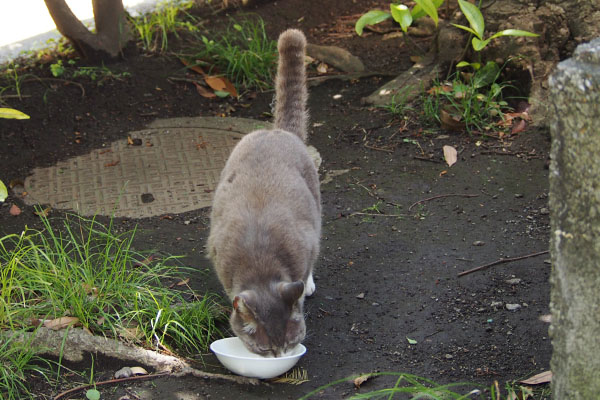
{"x": 172, "y": 166}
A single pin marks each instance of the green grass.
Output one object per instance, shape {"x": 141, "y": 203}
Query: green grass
{"x": 244, "y": 54}
{"x": 17, "y": 361}
{"x": 170, "y": 17}
{"x": 89, "y": 271}
{"x": 422, "y": 388}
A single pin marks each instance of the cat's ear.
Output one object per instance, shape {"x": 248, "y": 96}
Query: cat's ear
{"x": 290, "y": 292}
{"x": 243, "y": 304}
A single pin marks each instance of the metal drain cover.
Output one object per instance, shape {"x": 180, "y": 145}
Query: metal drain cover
{"x": 172, "y": 166}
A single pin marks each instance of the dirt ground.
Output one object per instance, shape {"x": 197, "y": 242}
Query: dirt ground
{"x": 380, "y": 279}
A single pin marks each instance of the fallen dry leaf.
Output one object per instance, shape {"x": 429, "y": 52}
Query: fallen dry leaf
{"x": 450, "y": 155}
{"x": 222, "y": 84}
{"x": 111, "y": 164}
{"x": 43, "y": 213}
{"x": 145, "y": 261}
{"x": 451, "y": 122}
{"x": 204, "y": 92}
{"x": 183, "y": 282}
{"x": 362, "y": 379}
{"x": 14, "y": 210}
{"x": 519, "y": 127}
{"x": 60, "y": 323}
{"x": 544, "y": 377}
{"x": 129, "y": 140}
{"x": 195, "y": 68}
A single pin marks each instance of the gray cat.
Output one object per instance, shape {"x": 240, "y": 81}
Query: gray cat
{"x": 266, "y": 218}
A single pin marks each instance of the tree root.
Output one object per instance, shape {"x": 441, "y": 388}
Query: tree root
{"x": 72, "y": 344}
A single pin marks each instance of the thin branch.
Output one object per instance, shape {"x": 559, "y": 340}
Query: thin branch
{"x": 440, "y": 196}
{"x": 375, "y": 215}
{"x": 68, "y": 393}
{"x": 502, "y": 261}
{"x": 186, "y": 371}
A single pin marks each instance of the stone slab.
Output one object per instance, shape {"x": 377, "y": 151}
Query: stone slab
{"x": 173, "y": 167}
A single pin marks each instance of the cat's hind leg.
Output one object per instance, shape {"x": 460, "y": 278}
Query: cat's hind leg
{"x": 310, "y": 287}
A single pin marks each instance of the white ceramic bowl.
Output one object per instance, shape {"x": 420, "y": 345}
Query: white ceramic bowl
{"x": 232, "y": 353}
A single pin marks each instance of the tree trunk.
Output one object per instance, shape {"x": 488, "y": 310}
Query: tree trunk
{"x": 575, "y": 221}
{"x": 112, "y": 29}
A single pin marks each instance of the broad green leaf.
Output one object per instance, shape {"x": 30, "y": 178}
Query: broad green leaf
{"x": 478, "y": 45}
{"x": 474, "y": 65}
{"x": 473, "y": 16}
{"x": 3, "y": 192}
{"x": 11, "y": 113}
{"x": 221, "y": 93}
{"x": 464, "y": 28}
{"x": 486, "y": 75}
{"x": 370, "y": 18}
{"x": 418, "y": 12}
{"x": 92, "y": 394}
{"x": 513, "y": 32}
{"x": 401, "y": 15}
{"x": 411, "y": 341}
{"x": 429, "y": 8}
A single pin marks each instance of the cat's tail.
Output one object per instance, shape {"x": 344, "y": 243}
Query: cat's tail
{"x": 290, "y": 84}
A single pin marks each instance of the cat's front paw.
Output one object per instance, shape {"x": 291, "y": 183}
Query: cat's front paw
{"x": 310, "y": 287}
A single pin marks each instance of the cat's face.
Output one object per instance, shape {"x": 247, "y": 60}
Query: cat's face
{"x": 270, "y": 322}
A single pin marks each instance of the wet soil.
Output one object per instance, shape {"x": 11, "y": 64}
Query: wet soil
{"x": 381, "y": 279}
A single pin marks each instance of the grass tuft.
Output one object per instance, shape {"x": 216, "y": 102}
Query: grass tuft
{"x": 244, "y": 53}
{"x": 87, "y": 271}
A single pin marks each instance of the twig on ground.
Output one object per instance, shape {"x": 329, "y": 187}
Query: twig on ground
{"x": 66, "y": 82}
{"x": 440, "y": 196}
{"x": 427, "y": 159}
{"x": 74, "y": 343}
{"x": 502, "y": 261}
{"x": 186, "y": 371}
{"x": 68, "y": 393}
{"x": 375, "y": 215}
{"x": 368, "y": 146}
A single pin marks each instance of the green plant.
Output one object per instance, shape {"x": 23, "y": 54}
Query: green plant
{"x": 99, "y": 74}
{"x": 416, "y": 386}
{"x": 155, "y": 27}
{"x": 17, "y": 360}
{"x": 470, "y": 101}
{"x": 244, "y": 53}
{"x": 11, "y": 73}
{"x": 477, "y": 26}
{"x": 90, "y": 273}
{"x": 401, "y": 14}
{"x": 399, "y": 105}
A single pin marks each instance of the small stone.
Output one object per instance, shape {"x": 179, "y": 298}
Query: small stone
{"x": 496, "y": 304}
{"x": 544, "y": 211}
{"x": 187, "y": 222}
{"x": 448, "y": 356}
{"x": 360, "y": 296}
{"x": 513, "y": 281}
{"x": 518, "y": 195}
{"x": 124, "y": 372}
{"x": 478, "y": 243}
{"x": 512, "y": 307}
{"x": 375, "y": 304}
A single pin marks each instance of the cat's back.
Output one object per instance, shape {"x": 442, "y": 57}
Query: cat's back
{"x": 272, "y": 165}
